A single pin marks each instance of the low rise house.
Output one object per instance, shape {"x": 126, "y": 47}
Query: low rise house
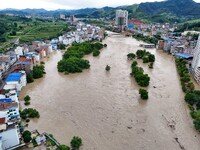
{"x": 24, "y": 63}
{"x": 17, "y": 79}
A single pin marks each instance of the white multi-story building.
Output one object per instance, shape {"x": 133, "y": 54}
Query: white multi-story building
{"x": 196, "y": 62}
{"x": 62, "y": 16}
{"x": 121, "y": 18}
{"x": 18, "y": 80}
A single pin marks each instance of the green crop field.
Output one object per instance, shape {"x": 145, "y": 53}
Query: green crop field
{"x": 26, "y": 30}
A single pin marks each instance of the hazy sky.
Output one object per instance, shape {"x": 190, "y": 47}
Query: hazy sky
{"x": 66, "y": 4}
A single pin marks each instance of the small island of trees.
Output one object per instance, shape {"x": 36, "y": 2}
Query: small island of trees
{"x": 29, "y": 113}
{"x": 131, "y": 56}
{"x": 72, "y": 61}
{"x": 76, "y": 142}
{"x": 145, "y": 56}
{"x": 27, "y": 99}
{"x": 138, "y": 73}
{"x": 143, "y": 94}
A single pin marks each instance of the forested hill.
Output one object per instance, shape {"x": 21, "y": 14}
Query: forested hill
{"x": 186, "y": 8}
{"x": 164, "y": 11}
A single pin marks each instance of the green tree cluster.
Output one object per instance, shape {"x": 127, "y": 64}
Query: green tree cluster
{"x": 145, "y": 56}
{"x": 131, "y": 56}
{"x": 193, "y": 99}
{"x": 27, "y": 99}
{"x": 76, "y": 142}
{"x": 38, "y": 71}
{"x": 26, "y": 136}
{"x": 72, "y": 59}
{"x": 73, "y": 65}
{"x": 29, "y": 113}
{"x": 143, "y": 94}
{"x": 138, "y": 73}
{"x": 63, "y": 147}
{"x": 183, "y": 72}
{"x": 29, "y": 78}
{"x": 192, "y": 96}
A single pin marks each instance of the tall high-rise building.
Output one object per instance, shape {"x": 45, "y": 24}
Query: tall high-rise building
{"x": 196, "y": 62}
{"x": 121, "y": 18}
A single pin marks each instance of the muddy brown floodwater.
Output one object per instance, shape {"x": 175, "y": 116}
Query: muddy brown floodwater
{"x": 104, "y": 108}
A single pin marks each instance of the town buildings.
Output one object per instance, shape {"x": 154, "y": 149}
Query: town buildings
{"x": 84, "y": 32}
{"x": 196, "y": 62}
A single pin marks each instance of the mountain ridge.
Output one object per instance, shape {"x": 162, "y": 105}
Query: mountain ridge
{"x": 164, "y": 11}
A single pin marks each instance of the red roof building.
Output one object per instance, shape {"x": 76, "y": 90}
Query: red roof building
{"x": 135, "y": 22}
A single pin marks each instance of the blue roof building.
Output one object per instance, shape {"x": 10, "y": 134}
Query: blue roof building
{"x": 184, "y": 56}
{"x": 7, "y": 100}
{"x": 14, "y": 77}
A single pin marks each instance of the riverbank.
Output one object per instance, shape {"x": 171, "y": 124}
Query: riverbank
{"x": 104, "y": 108}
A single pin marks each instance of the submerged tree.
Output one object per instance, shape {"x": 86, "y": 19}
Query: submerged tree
{"x": 143, "y": 94}
{"x": 76, "y": 142}
{"x": 107, "y": 68}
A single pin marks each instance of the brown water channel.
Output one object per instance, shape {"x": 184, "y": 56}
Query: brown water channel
{"x": 104, "y": 108}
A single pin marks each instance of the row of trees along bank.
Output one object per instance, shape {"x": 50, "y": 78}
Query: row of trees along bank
{"x": 192, "y": 96}
{"x": 138, "y": 72}
{"x": 72, "y": 61}
{"x": 147, "y": 39}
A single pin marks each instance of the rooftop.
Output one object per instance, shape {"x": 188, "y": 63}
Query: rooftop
{"x": 185, "y": 56}
{"x": 4, "y": 106}
{"x": 13, "y": 77}
{"x": 9, "y": 138}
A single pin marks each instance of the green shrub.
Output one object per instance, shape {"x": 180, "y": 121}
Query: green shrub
{"x": 151, "y": 65}
{"x": 38, "y": 71}
{"x": 143, "y": 94}
{"x": 145, "y": 59}
{"x": 27, "y": 103}
{"x": 29, "y": 113}
{"x": 107, "y": 68}
{"x": 29, "y": 78}
{"x": 27, "y": 136}
{"x": 96, "y": 53}
{"x": 131, "y": 56}
{"x": 196, "y": 123}
{"x": 76, "y": 142}
{"x": 63, "y": 147}
{"x": 27, "y": 98}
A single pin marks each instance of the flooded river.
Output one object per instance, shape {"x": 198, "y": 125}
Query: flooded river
{"x": 104, "y": 108}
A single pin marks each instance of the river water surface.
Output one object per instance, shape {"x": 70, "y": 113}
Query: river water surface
{"x": 104, "y": 108}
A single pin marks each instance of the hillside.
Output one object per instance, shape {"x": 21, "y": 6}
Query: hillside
{"x": 193, "y": 25}
{"x": 164, "y": 11}
{"x": 187, "y": 8}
